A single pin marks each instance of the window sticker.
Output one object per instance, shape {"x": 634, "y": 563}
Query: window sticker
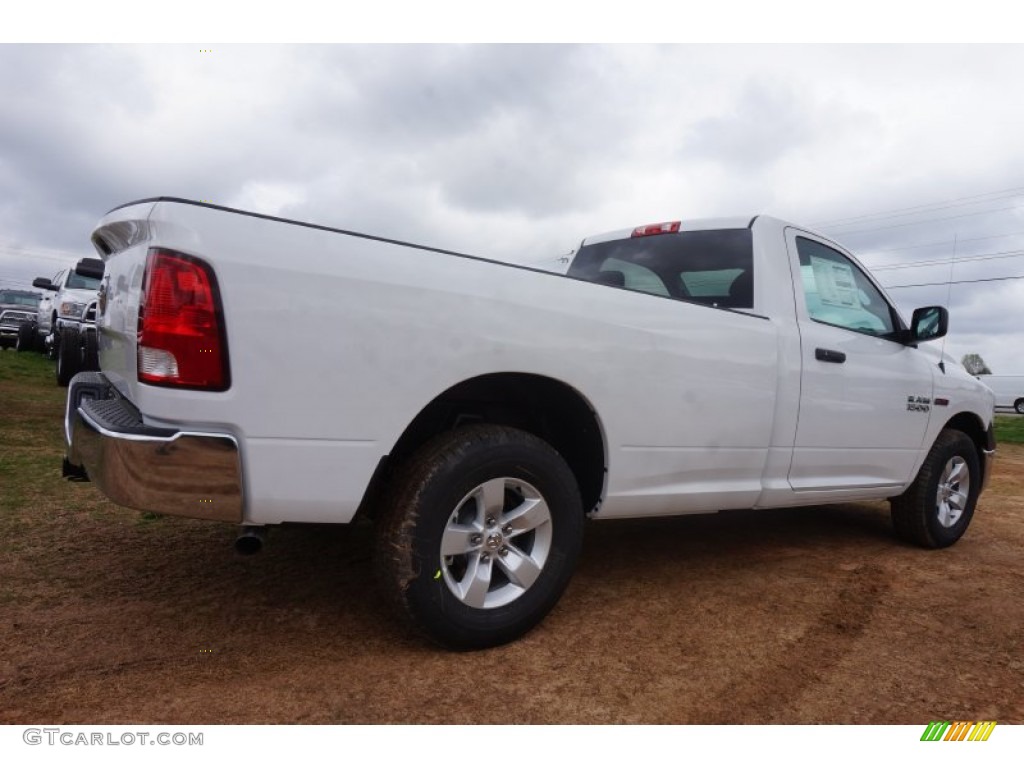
{"x": 836, "y": 286}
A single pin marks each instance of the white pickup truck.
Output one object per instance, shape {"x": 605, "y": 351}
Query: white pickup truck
{"x": 480, "y": 411}
{"x": 65, "y": 325}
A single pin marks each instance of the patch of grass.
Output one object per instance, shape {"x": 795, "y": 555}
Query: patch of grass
{"x": 25, "y": 366}
{"x": 33, "y": 495}
{"x": 1009, "y": 429}
{"x": 31, "y": 434}
{"x": 148, "y": 518}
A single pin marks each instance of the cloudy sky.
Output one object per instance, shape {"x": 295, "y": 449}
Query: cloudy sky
{"x": 902, "y": 153}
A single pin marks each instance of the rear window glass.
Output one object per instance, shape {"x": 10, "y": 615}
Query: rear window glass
{"x": 711, "y": 267}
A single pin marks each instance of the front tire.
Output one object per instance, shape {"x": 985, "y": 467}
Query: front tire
{"x": 1019, "y": 405}
{"x": 26, "y": 337}
{"x": 480, "y": 536}
{"x": 936, "y": 509}
{"x": 69, "y": 355}
{"x": 90, "y": 351}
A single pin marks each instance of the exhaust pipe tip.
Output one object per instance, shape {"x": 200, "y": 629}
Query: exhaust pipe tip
{"x": 250, "y": 541}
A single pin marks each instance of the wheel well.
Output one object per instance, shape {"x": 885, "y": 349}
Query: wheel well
{"x": 971, "y": 426}
{"x": 549, "y": 409}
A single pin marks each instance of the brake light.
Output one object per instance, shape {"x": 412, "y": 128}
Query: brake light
{"x": 181, "y": 326}
{"x": 664, "y": 228}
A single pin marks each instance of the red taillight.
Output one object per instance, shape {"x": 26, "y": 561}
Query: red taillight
{"x": 657, "y": 229}
{"x": 181, "y": 333}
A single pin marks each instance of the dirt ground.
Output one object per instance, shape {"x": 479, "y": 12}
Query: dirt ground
{"x": 793, "y": 616}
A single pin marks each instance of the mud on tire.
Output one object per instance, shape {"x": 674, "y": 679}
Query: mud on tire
{"x": 480, "y": 535}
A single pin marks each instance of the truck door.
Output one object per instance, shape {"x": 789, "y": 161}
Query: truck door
{"x": 865, "y": 398}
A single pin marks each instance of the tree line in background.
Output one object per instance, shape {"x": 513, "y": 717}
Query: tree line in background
{"x": 974, "y": 364}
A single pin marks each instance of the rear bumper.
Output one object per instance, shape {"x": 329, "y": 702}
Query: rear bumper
{"x": 167, "y": 471}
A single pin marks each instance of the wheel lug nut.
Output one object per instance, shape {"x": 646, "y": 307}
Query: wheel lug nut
{"x": 475, "y": 539}
{"x": 507, "y": 529}
{"x": 490, "y": 522}
{"x": 485, "y": 558}
{"x": 503, "y": 551}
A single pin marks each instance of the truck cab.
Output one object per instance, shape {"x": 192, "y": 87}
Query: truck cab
{"x": 855, "y": 396}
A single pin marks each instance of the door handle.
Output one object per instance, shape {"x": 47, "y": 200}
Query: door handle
{"x": 829, "y": 355}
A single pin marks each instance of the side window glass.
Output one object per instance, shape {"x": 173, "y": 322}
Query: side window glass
{"x": 839, "y": 293}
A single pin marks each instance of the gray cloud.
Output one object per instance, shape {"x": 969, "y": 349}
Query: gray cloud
{"x": 519, "y": 151}
{"x": 766, "y": 122}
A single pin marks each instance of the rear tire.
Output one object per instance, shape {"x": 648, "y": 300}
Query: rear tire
{"x": 480, "y": 536}
{"x": 69, "y": 355}
{"x": 936, "y": 509}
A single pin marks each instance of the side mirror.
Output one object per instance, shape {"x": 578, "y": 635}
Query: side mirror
{"x": 90, "y": 268}
{"x": 44, "y": 283}
{"x": 929, "y": 323}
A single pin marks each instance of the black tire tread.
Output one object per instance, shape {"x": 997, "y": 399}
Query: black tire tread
{"x": 397, "y": 520}
{"x": 26, "y": 337}
{"x": 90, "y": 352}
{"x": 69, "y": 356}
{"x": 907, "y": 519}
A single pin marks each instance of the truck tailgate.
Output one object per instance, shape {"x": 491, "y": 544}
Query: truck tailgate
{"x": 122, "y": 239}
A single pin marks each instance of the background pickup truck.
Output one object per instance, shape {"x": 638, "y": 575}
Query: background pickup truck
{"x": 16, "y": 307}
{"x": 66, "y": 325}
{"x": 480, "y": 411}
